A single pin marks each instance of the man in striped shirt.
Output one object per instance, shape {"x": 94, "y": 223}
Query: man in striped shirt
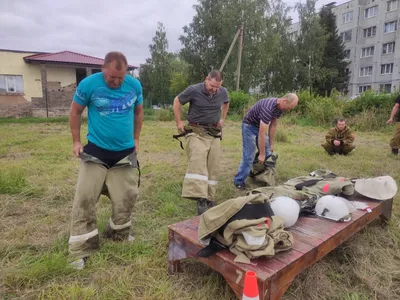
{"x": 260, "y": 119}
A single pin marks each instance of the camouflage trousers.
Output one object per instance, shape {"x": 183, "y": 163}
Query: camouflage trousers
{"x": 202, "y": 173}
{"x": 341, "y": 149}
{"x": 120, "y": 184}
{"x": 395, "y": 141}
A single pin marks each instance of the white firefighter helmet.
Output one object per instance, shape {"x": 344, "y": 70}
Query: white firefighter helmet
{"x": 380, "y": 188}
{"x": 333, "y": 208}
{"x": 287, "y": 208}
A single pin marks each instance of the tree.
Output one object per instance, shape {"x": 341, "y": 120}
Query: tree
{"x": 279, "y": 62}
{"x": 333, "y": 59}
{"x": 179, "y": 75}
{"x": 207, "y": 38}
{"x": 145, "y": 78}
{"x": 310, "y": 45}
{"x": 159, "y": 68}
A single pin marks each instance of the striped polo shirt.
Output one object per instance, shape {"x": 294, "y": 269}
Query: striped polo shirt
{"x": 264, "y": 110}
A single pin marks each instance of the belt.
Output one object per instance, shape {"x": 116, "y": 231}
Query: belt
{"x": 203, "y": 125}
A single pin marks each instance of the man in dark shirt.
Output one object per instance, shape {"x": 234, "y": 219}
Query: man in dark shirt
{"x": 203, "y": 135}
{"x": 260, "y": 119}
{"x": 395, "y": 141}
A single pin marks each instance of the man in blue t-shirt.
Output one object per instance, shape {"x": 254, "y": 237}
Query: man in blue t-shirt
{"x": 261, "y": 119}
{"x": 108, "y": 161}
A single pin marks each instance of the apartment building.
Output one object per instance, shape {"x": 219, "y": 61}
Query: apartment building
{"x": 371, "y": 34}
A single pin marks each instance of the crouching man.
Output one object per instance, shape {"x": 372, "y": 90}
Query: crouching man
{"x": 339, "y": 140}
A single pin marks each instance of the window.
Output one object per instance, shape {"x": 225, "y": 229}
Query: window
{"x": 346, "y": 36}
{"x": 369, "y": 32}
{"x": 385, "y": 88}
{"x": 371, "y": 12}
{"x": 363, "y": 88}
{"x": 367, "y": 52}
{"x": 11, "y": 84}
{"x": 391, "y": 5}
{"x": 366, "y": 71}
{"x": 347, "y": 17}
{"x": 388, "y": 48}
{"x": 390, "y": 27}
{"x": 347, "y": 54}
{"x": 387, "y": 69}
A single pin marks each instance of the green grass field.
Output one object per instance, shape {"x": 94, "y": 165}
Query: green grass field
{"x": 37, "y": 178}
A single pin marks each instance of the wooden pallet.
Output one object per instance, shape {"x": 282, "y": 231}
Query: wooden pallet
{"x": 314, "y": 238}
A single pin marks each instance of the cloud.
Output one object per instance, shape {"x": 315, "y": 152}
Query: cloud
{"x": 92, "y": 27}
{"x": 95, "y": 27}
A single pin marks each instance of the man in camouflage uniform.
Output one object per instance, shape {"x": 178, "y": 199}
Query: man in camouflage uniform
{"x": 339, "y": 140}
{"x": 395, "y": 141}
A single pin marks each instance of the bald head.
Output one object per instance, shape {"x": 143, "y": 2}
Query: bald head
{"x": 288, "y": 102}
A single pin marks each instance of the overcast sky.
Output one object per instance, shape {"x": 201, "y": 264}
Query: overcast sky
{"x": 94, "y": 27}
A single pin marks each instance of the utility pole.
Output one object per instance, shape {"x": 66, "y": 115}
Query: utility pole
{"x": 240, "y": 54}
{"x": 309, "y": 74}
{"x": 230, "y": 50}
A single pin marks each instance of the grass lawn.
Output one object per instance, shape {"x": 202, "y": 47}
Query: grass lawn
{"x": 37, "y": 178}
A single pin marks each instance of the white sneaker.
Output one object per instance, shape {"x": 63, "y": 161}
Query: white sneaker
{"x": 78, "y": 264}
{"x": 131, "y": 238}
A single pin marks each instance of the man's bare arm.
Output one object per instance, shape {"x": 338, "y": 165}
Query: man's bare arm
{"x": 271, "y": 134}
{"x": 177, "y": 114}
{"x": 261, "y": 141}
{"x": 224, "y": 109}
{"x": 139, "y": 116}
{"x": 75, "y": 124}
{"x": 393, "y": 113}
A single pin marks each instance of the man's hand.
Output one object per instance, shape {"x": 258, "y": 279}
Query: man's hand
{"x": 261, "y": 159}
{"x": 181, "y": 126}
{"x": 389, "y": 121}
{"x": 136, "y": 146}
{"x": 78, "y": 149}
{"x": 336, "y": 142}
{"x": 221, "y": 123}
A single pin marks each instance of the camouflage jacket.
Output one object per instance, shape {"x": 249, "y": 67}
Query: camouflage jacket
{"x": 346, "y": 136}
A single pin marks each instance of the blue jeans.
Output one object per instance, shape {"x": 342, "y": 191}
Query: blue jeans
{"x": 250, "y": 148}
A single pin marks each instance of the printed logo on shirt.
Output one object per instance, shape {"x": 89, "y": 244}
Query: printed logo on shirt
{"x": 107, "y": 102}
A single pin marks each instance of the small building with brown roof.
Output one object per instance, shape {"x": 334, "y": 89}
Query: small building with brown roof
{"x": 42, "y": 84}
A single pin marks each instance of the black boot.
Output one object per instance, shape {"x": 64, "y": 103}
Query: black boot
{"x": 395, "y": 151}
{"x": 211, "y": 203}
{"x": 201, "y": 206}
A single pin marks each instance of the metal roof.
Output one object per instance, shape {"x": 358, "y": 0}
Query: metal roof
{"x": 68, "y": 57}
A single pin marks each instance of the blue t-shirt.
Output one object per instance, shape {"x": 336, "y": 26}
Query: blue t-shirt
{"x": 110, "y": 111}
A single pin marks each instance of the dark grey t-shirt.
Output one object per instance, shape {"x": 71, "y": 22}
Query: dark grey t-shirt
{"x": 203, "y": 109}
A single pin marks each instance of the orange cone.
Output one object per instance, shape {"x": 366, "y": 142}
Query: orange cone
{"x": 250, "y": 289}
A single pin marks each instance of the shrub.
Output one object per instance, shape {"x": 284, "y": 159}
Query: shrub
{"x": 163, "y": 115}
{"x": 324, "y": 110}
{"x": 239, "y": 102}
{"x": 369, "y": 100}
{"x": 370, "y": 120}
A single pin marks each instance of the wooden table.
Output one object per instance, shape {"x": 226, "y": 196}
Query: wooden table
{"x": 313, "y": 239}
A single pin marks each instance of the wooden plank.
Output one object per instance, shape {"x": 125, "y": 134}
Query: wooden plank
{"x": 314, "y": 238}
{"x": 311, "y": 232}
{"x": 286, "y": 274}
{"x": 298, "y": 234}
{"x": 351, "y": 229}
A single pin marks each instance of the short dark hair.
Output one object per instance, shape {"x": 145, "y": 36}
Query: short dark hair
{"x": 341, "y": 120}
{"x": 119, "y": 57}
{"x": 217, "y": 75}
